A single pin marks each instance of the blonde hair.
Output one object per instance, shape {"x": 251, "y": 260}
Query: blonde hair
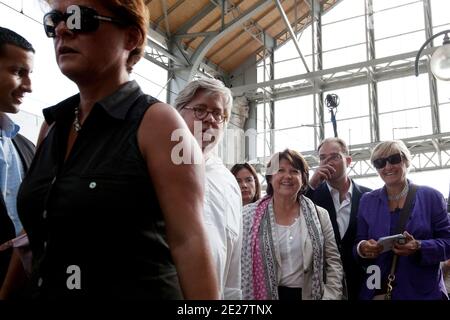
{"x": 387, "y": 148}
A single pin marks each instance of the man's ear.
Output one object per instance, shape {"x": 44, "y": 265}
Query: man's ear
{"x": 348, "y": 159}
{"x": 134, "y": 38}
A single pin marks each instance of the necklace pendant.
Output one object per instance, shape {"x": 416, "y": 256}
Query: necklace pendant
{"x": 76, "y": 121}
{"x": 76, "y": 126}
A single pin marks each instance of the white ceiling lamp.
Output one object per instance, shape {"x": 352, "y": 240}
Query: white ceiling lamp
{"x": 440, "y": 59}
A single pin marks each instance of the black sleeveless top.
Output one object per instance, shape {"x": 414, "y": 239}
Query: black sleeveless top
{"x": 94, "y": 222}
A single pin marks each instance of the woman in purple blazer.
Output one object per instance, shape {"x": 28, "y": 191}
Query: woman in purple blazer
{"x": 427, "y": 231}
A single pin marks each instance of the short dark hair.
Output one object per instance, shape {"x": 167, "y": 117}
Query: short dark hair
{"x": 297, "y": 161}
{"x": 238, "y": 167}
{"x": 339, "y": 141}
{"x": 10, "y": 37}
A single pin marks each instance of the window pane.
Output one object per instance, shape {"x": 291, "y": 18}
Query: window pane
{"x": 292, "y": 67}
{"x": 153, "y": 85}
{"x": 334, "y": 35}
{"x": 443, "y": 91}
{"x": 439, "y": 40}
{"x": 399, "y": 44}
{"x": 294, "y": 112}
{"x": 444, "y": 104}
{"x": 341, "y": 57}
{"x": 403, "y": 93}
{"x": 260, "y": 145}
{"x": 353, "y": 131}
{"x": 444, "y": 114}
{"x": 386, "y": 23}
{"x": 439, "y": 12}
{"x": 260, "y": 71}
{"x": 260, "y": 118}
{"x": 403, "y": 124}
{"x": 344, "y": 9}
{"x": 299, "y": 139}
{"x": 386, "y": 4}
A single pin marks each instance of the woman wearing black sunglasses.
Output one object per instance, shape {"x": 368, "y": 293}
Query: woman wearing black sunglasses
{"x": 413, "y": 264}
{"x": 100, "y": 205}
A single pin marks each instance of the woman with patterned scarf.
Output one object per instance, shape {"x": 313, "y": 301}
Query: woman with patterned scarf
{"x": 289, "y": 251}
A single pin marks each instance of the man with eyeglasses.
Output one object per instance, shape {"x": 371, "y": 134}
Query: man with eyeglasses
{"x": 331, "y": 188}
{"x": 205, "y": 105}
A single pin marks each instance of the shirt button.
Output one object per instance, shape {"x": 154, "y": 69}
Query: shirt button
{"x": 45, "y": 244}
{"x": 53, "y": 180}
{"x": 8, "y": 192}
{"x": 92, "y": 185}
{"x": 40, "y": 281}
{"x": 44, "y": 214}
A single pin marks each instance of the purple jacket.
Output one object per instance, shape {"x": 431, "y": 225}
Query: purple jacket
{"x": 418, "y": 276}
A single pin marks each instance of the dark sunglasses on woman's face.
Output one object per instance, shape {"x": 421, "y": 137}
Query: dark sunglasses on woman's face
{"x": 380, "y": 163}
{"x": 78, "y": 19}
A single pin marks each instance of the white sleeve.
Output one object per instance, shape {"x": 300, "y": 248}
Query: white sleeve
{"x": 232, "y": 290}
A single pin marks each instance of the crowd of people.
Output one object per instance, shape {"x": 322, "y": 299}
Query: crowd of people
{"x": 109, "y": 205}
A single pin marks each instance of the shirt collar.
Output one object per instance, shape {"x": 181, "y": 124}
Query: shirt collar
{"x": 333, "y": 190}
{"x": 8, "y": 128}
{"x": 116, "y": 105}
{"x": 212, "y": 160}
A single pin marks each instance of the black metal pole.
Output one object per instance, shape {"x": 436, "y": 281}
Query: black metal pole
{"x": 333, "y": 121}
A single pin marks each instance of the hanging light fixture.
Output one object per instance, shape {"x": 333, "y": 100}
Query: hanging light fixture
{"x": 440, "y": 59}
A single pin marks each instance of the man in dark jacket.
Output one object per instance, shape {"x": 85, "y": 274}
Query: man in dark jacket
{"x": 332, "y": 189}
{"x": 16, "y": 152}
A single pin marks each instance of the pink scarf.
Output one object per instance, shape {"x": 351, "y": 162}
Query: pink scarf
{"x": 259, "y": 285}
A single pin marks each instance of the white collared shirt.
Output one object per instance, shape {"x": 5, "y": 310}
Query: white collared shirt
{"x": 343, "y": 209}
{"x": 223, "y": 220}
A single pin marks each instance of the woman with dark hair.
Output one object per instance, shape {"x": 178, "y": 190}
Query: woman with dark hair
{"x": 289, "y": 251}
{"x": 248, "y": 182}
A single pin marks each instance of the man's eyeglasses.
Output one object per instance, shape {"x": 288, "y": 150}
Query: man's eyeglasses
{"x": 380, "y": 163}
{"x": 330, "y": 157}
{"x": 79, "y": 19}
{"x": 201, "y": 114}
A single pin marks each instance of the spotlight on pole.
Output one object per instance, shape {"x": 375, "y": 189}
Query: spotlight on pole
{"x": 332, "y": 102}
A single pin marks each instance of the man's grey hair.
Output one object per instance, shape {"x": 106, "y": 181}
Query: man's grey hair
{"x": 212, "y": 86}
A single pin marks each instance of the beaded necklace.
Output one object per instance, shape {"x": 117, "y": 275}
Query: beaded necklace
{"x": 403, "y": 193}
